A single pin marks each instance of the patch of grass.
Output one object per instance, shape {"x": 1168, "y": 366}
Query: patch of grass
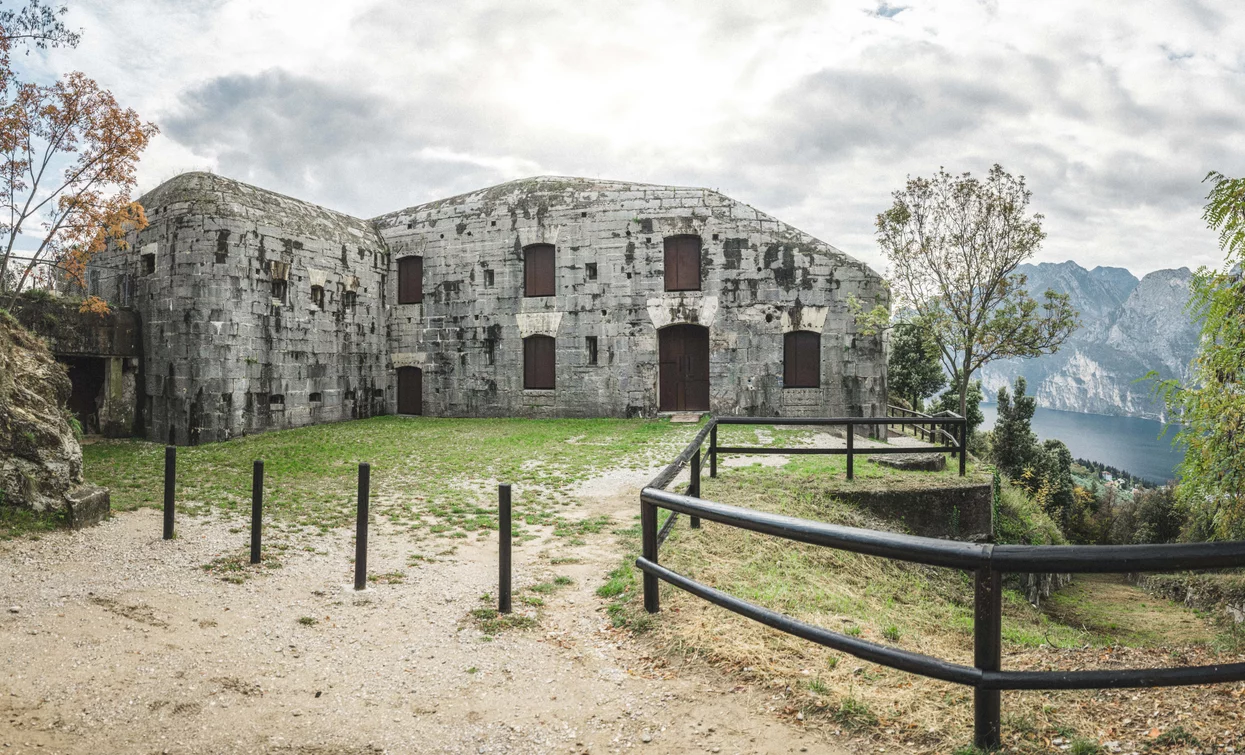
{"x": 1082, "y": 746}
{"x": 491, "y": 621}
{"x": 855, "y": 714}
{"x": 308, "y": 621}
{"x": 20, "y": 522}
{"x": 426, "y": 471}
{"x": 891, "y": 632}
{"x": 563, "y": 581}
{"x": 1177, "y": 735}
{"x": 388, "y": 578}
{"x": 237, "y": 568}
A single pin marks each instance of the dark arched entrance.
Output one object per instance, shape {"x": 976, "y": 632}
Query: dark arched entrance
{"x": 683, "y": 367}
{"x": 410, "y": 390}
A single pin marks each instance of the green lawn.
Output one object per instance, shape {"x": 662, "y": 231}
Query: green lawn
{"x": 436, "y": 474}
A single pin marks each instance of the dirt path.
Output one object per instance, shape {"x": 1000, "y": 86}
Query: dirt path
{"x": 113, "y": 640}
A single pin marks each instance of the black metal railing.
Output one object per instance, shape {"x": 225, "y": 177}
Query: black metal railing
{"x": 987, "y": 562}
{"x": 951, "y": 435}
{"x": 918, "y": 422}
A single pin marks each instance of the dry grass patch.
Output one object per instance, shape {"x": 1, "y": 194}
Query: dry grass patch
{"x": 923, "y": 609}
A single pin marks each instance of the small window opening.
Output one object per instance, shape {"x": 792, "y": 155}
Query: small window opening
{"x": 488, "y": 278}
{"x": 411, "y": 280}
{"x": 538, "y": 270}
{"x": 276, "y": 402}
{"x": 314, "y": 398}
{"x": 682, "y": 263}
{"x": 490, "y": 351}
{"x": 149, "y": 264}
{"x": 378, "y": 393}
{"x": 317, "y": 296}
{"x": 592, "y": 349}
{"x": 539, "y": 363}
{"x": 278, "y": 290}
{"x": 801, "y": 359}
{"x": 348, "y": 395}
{"x": 348, "y": 300}
{"x": 591, "y": 269}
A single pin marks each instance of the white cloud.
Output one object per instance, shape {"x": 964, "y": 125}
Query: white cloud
{"x": 811, "y": 111}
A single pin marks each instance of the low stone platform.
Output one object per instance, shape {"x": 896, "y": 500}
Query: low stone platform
{"x": 88, "y": 506}
{"x": 932, "y": 462}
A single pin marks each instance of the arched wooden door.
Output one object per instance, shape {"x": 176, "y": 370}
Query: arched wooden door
{"x": 410, "y": 390}
{"x": 683, "y": 368}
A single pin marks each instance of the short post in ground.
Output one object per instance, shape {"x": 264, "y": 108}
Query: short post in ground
{"x": 713, "y": 450}
{"x": 504, "y": 543}
{"x": 648, "y": 538}
{"x": 360, "y": 529}
{"x": 170, "y": 483}
{"x": 851, "y": 447}
{"x": 963, "y": 446}
{"x": 257, "y": 506}
{"x": 693, "y": 485}
{"x": 987, "y": 655}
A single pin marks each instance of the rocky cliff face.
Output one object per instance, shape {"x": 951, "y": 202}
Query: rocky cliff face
{"x": 40, "y": 460}
{"x": 1128, "y": 328}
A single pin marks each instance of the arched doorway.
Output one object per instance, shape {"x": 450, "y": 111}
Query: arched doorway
{"x": 410, "y": 390}
{"x": 683, "y": 368}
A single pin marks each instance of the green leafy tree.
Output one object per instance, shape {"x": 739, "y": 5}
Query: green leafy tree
{"x": 913, "y": 370}
{"x": 950, "y": 401}
{"x": 1015, "y": 447}
{"x": 1211, "y": 405}
{"x": 954, "y": 243}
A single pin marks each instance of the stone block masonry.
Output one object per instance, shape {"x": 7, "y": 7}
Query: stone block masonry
{"x": 260, "y": 311}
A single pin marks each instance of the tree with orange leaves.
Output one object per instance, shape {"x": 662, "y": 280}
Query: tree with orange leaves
{"x": 68, "y": 154}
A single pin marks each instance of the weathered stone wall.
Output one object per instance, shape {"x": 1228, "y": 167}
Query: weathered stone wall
{"x": 219, "y": 347}
{"x": 760, "y": 278}
{"x": 224, "y": 357}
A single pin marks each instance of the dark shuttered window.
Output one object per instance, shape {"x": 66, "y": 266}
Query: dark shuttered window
{"x": 411, "y": 280}
{"x": 538, "y": 270}
{"x": 801, "y": 355}
{"x": 538, "y": 362}
{"x": 682, "y": 263}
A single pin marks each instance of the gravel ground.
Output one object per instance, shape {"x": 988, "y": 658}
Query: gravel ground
{"x": 116, "y": 641}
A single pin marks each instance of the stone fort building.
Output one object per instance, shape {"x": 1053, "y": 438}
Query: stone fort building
{"x": 546, "y": 297}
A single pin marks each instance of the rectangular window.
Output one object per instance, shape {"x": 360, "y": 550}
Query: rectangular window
{"x": 538, "y": 270}
{"x": 801, "y": 357}
{"x": 490, "y": 351}
{"x": 315, "y": 398}
{"x": 276, "y": 402}
{"x": 591, "y": 270}
{"x": 411, "y": 280}
{"x": 149, "y": 264}
{"x": 278, "y": 290}
{"x": 592, "y": 349}
{"x": 348, "y": 300}
{"x": 317, "y": 296}
{"x": 488, "y": 278}
{"x": 538, "y": 363}
{"x": 682, "y": 263}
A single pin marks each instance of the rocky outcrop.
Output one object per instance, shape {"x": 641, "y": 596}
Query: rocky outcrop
{"x": 1128, "y": 328}
{"x": 40, "y": 460}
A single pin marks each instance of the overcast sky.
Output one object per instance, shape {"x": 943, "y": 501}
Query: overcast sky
{"x": 811, "y": 111}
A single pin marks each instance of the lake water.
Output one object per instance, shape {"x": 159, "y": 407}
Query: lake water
{"x": 1126, "y": 443}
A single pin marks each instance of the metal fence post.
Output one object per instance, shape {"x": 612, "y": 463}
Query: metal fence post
{"x": 360, "y": 528}
{"x": 257, "y": 507}
{"x": 693, "y": 487}
{"x": 713, "y": 450}
{"x": 987, "y": 655}
{"x": 170, "y": 482}
{"x": 963, "y": 446}
{"x": 504, "y": 543}
{"x": 648, "y": 537}
{"x": 851, "y": 445}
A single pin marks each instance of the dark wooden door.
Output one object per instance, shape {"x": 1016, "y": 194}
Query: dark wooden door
{"x": 683, "y": 365}
{"x": 410, "y": 390}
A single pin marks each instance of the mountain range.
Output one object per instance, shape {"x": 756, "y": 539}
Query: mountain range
{"x": 1128, "y": 328}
